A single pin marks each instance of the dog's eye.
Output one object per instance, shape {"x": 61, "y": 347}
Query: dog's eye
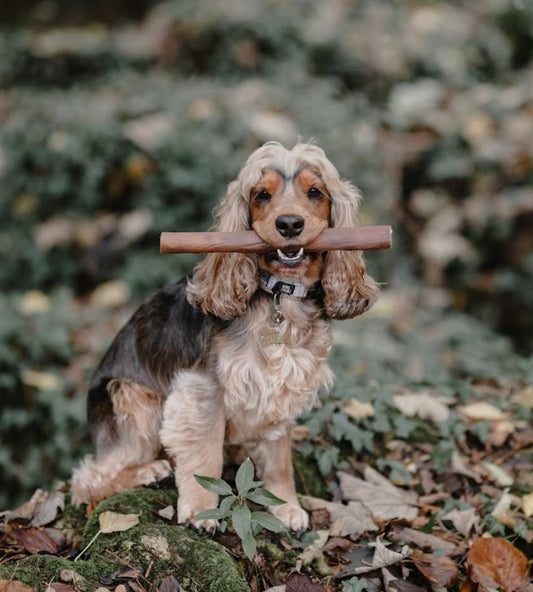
{"x": 314, "y": 193}
{"x": 262, "y": 196}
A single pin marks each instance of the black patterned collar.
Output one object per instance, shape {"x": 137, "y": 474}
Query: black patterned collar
{"x": 276, "y": 286}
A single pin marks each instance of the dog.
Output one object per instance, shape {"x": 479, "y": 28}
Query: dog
{"x": 224, "y": 361}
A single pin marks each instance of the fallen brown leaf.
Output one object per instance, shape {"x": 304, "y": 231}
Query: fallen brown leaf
{"x": 34, "y": 540}
{"x": 493, "y": 563}
{"x": 14, "y": 586}
{"x": 439, "y": 570}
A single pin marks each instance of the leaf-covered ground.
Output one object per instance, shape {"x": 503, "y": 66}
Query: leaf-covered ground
{"x": 417, "y": 470}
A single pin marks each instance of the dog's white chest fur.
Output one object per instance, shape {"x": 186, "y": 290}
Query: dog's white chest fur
{"x": 268, "y": 384}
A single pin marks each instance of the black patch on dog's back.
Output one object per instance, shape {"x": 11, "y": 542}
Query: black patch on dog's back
{"x": 165, "y": 334}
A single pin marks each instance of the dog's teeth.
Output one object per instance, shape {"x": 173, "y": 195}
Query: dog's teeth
{"x": 284, "y": 257}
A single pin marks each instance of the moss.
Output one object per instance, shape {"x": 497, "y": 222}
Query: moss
{"x": 144, "y": 501}
{"x": 195, "y": 560}
{"x": 307, "y": 477}
{"x": 40, "y": 570}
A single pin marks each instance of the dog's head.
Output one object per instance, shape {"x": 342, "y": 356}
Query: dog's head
{"x": 287, "y": 197}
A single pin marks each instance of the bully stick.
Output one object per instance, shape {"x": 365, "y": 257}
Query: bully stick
{"x": 343, "y": 239}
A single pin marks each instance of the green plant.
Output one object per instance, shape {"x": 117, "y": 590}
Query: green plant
{"x": 246, "y": 523}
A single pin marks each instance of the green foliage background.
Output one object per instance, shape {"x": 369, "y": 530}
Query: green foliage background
{"x": 121, "y": 120}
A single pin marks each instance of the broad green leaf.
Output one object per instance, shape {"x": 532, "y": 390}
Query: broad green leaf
{"x": 215, "y": 485}
{"x": 226, "y": 503}
{"x": 244, "y": 479}
{"x": 213, "y": 514}
{"x": 249, "y": 546}
{"x": 264, "y": 497}
{"x": 268, "y": 521}
{"x": 242, "y": 520}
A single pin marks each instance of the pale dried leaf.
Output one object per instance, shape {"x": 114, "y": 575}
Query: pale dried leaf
{"x": 27, "y": 509}
{"x": 149, "y": 131}
{"x": 111, "y": 294}
{"x": 384, "y": 557}
{"x": 424, "y": 405}
{"x": 384, "y": 500}
{"x": 481, "y": 411}
{"x": 498, "y": 474}
{"x": 133, "y": 225}
{"x": 463, "y": 520}
{"x": 272, "y": 125}
{"x": 527, "y": 504}
{"x": 115, "y": 522}
{"x": 48, "y": 510}
{"x": 42, "y": 381}
{"x": 502, "y": 510}
{"x": 34, "y": 302}
{"x": 500, "y": 431}
{"x": 525, "y": 397}
{"x": 458, "y": 466}
{"x": 358, "y": 410}
{"x": 422, "y": 540}
{"x": 346, "y": 520}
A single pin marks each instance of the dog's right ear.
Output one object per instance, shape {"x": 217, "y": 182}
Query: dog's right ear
{"x": 223, "y": 283}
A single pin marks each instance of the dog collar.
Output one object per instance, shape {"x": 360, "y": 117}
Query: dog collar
{"x": 276, "y": 286}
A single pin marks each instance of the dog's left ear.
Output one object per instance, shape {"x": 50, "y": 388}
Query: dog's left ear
{"x": 348, "y": 289}
{"x": 223, "y": 283}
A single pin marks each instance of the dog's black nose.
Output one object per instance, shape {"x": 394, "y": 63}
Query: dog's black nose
{"x": 289, "y": 226}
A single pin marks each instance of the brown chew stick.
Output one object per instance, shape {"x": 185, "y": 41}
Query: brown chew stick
{"x": 331, "y": 239}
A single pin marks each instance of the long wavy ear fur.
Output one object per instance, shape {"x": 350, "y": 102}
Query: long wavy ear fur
{"x": 349, "y": 290}
{"x": 223, "y": 283}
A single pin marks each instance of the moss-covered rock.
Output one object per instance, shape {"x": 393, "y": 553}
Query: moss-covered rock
{"x": 195, "y": 560}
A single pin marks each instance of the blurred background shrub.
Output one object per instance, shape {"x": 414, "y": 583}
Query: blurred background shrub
{"x": 123, "y": 119}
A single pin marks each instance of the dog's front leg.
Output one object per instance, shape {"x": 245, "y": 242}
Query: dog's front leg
{"x": 193, "y": 435}
{"x": 273, "y": 461}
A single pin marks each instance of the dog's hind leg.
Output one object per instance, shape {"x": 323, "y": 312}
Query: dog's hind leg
{"x": 125, "y": 423}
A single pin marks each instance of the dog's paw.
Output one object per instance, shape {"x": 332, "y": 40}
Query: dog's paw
{"x": 154, "y": 471}
{"x": 291, "y": 515}
{"x": 186, "y": 515}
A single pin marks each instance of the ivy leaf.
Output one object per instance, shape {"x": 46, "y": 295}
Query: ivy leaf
{"x": 215, "y": 485}
{"x": 268, "y": 521}
{"x": 242, "y": 520}
{"x": 263, "y": 497}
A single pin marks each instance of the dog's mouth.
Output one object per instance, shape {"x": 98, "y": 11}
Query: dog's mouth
{"x": 290, "y": 257}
